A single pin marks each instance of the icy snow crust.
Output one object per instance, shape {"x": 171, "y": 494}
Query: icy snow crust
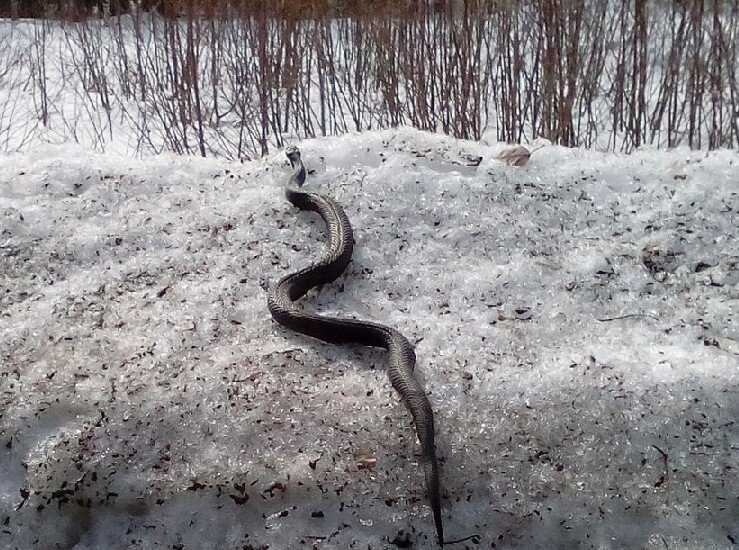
{"x": 576, "y": 329}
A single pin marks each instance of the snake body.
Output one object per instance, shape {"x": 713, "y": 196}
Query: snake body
{"x": 401, "y": 357}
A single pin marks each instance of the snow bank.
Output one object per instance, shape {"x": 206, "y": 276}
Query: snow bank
{"x": 575, "y": 323}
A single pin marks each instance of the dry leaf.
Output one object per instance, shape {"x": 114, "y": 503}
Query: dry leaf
{"x": 365, "y": 459}
{"x": 518, "y": 155}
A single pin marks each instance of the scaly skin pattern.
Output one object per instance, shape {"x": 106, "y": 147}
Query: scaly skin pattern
{"x": 401, "y": 357}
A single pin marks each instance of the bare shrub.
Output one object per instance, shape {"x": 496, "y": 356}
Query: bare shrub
{"x": 236, "y": 77}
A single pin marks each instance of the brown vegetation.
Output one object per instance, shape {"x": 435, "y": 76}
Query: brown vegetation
{"x": 235, "y": 77}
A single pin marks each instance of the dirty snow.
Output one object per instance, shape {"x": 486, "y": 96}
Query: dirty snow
{"x": 576, "y": 330}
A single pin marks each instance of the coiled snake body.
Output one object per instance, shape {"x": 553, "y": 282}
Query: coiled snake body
{"x": 402, "y": 358}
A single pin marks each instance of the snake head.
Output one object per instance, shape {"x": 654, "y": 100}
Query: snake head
{"x": 293, "y": 154}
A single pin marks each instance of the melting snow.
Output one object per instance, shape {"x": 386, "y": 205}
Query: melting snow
{"x": 576, "y": 330}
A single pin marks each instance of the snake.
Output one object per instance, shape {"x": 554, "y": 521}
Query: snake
{"x": 336, "y": 256}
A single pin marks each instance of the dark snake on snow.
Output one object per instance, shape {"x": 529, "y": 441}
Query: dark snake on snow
{"x": 401, "y": 357}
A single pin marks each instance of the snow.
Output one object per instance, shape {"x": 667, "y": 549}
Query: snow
{"x": 574, "y": 320}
